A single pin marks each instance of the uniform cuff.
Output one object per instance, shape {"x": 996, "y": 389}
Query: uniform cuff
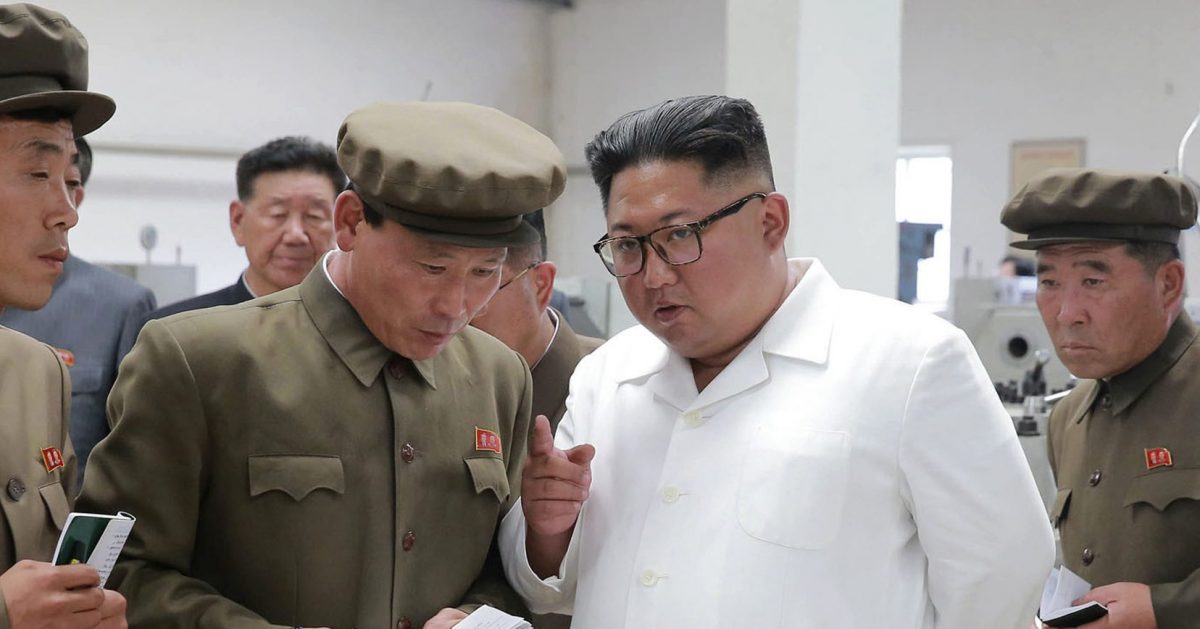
{"x": 543, "y": 596}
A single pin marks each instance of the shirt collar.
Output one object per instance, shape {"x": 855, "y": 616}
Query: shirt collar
{"x": 1127, "y": 387}
{"x": 801, "y": 328}
{"x": 246, "y": 285}
{"x": 339, "y": 323}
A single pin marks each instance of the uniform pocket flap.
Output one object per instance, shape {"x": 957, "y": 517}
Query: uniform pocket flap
{"x": 56, "y": 503}
{"x": 489, "y": 473}
{"x": 297, "y": 475}
{"x": 1161, "y": 488}
{"x": 1060, "y": 506}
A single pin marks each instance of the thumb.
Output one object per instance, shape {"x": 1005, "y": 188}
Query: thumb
{"x": 1097, "y": 595}
{"x": 582, "y": 454}
{"x": 541, "y": 442}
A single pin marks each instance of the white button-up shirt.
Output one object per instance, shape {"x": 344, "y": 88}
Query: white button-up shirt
{"x": 852, "y": 467}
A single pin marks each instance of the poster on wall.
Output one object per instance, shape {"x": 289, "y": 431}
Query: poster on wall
{"x": 1030, "y": 157}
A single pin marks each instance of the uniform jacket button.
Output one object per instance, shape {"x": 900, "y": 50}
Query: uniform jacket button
{"x": 1088, "y": 556}
{"x": 408, "y": 541}
{"x": 1094, "y": 479}
{"x": 16, "y": 488}
{"x": 396, "y": 368}
{"x": 1106, "y": 401}
{"x": 404, "y": 623}
{"x": 408, "y": 453}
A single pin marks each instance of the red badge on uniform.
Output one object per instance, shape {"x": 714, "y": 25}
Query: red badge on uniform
{"x": 487, "y": 440}
{"x": 52, "y": 459}
{"x": 66, "y": 355}
{"x": 1158, "y": 457}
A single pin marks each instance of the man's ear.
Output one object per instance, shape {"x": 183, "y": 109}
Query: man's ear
{"x": 543, "y": 282}
{"x": 237, "y": 215}
{"x": 776, "y": 218}
{"x": 348, "y": 219}
{"x": 1170, "y": 281}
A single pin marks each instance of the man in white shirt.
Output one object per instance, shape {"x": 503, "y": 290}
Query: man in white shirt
{"x": 770, "y": 450}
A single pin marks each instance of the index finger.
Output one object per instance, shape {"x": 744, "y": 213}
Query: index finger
{"x": 541, "y": 442}
{"x": 78, "y": 575}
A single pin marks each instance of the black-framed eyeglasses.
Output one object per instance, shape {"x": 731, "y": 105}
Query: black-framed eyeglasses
{"x": 518, "y": 275}
{"x": 675, "y": 244}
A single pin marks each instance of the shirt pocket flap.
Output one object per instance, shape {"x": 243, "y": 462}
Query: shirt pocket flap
{"x": 85, "y": 378}
{"x": 1059, "y": 510}
{"x": 56, "y": 503}
{"x": 297, "y": 475}
{"x": 489, "y": 473}
{"x": 1159, "y": 489}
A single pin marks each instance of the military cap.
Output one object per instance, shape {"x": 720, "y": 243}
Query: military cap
{"x": 1064, "y": 205}
{"x": 44, "y": 64}
{"x": 454, "y": 172}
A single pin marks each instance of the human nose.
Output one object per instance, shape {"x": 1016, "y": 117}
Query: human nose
{"x": 656, "y": 270}
{"x": 293, "y": 230}
{"x": 62, "y": 213}
{"x": 1071, "y": 307}
{"x": 450, "y": 301}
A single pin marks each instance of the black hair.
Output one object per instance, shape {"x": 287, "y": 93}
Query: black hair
{"x": 723, "y": 135}
{"x": 284, "y": 154}
{"x": 522, "y": 256}
{"x": 1152, "y": 255}
{"x": 83, "y": 159}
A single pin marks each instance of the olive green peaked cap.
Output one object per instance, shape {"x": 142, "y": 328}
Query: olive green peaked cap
{"x": 455, "y": 172}
{"x": 1064, "y": 205}
{"x": 44, "y": 64}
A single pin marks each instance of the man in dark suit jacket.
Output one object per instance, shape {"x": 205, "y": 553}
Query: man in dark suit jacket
{"x": 91, "y": 320}
{"x": 283, "y": 217}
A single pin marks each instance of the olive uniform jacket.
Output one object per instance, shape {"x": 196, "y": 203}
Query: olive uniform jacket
{"x": 552, "y": 374}
{"x": 1126, "y": 459}
{"x": 286, "y": 468}
{"x": 35, "y": 400}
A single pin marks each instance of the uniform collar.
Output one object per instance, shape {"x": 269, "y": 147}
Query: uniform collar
{"x": 1127, "y": 387}
{"x": 339, "y": 323}
{"x": 564, "y": 347}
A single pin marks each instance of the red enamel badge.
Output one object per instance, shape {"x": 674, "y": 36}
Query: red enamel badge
{"x": 52, "y": 459}
{"x": 1158, "y": 457}
{"x": 487, "y": 440}
{"x": 66, "y": 355}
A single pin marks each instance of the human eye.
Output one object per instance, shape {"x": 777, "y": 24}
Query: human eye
{"x": 1093, "y": 282}
{"x": 624, "y": 245}
{"x": 676, "y": 234}
{"x": 433, "y": 269}
{"x": 486, "y": 272}
{"x": 1047, "y": 282}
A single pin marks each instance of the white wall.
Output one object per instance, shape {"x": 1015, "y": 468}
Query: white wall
{"x": 978, "y": 75}
{"x": 221, "y": 77}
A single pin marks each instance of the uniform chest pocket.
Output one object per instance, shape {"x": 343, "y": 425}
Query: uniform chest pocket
{"x": 488, "y": 474}
{"x": 1062, "y": 502}
{"x": 296, "y": 475}
{"x": 1161, "y": 488}
{"x": 792, "y": 488}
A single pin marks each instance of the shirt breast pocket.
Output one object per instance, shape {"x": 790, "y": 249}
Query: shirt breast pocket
{"x": 1160, "y": 489}
{"x": 488, "y": 474}
{"x": 792, "y": 489}
{"x": 296, "y": 475}
{"x": 86, "y": 379}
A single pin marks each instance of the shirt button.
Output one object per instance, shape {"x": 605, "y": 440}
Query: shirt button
{"x": 1088, "y": 556}
{"x": 1106, "y": 402}
{"x": 1094, "y": 479}
{"x": 396, "y": 368}
{"x": 408, "y": 541}
{"x": 16, "y": 488}
{"x": 408, "y": 453}
{"x": 404, "y": 623}
{"x": 649, "y": 578}
{"x": 670, "y": 494}
{"x": 693, "y": 419}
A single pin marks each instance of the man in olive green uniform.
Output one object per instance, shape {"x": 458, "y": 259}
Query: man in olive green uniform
{"x": 1125, "y": 444}
{"x": 43, "y": 107}
{"x": 520, "y": 315}
{"x": 340, "y": 453}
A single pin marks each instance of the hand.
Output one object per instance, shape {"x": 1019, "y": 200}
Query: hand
{"x": 446, "y": 618}
{"x": 40, "y": 594}
{"x": 1128, "y": 604}
{"x": 112, "y": 611}
{"x": 554, "y": 483}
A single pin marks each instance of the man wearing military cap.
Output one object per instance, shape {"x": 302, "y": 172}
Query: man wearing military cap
{"x": 44, "y": 105}
{"x": 341, "y": 452}
{"x": 1125, "y": 444}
